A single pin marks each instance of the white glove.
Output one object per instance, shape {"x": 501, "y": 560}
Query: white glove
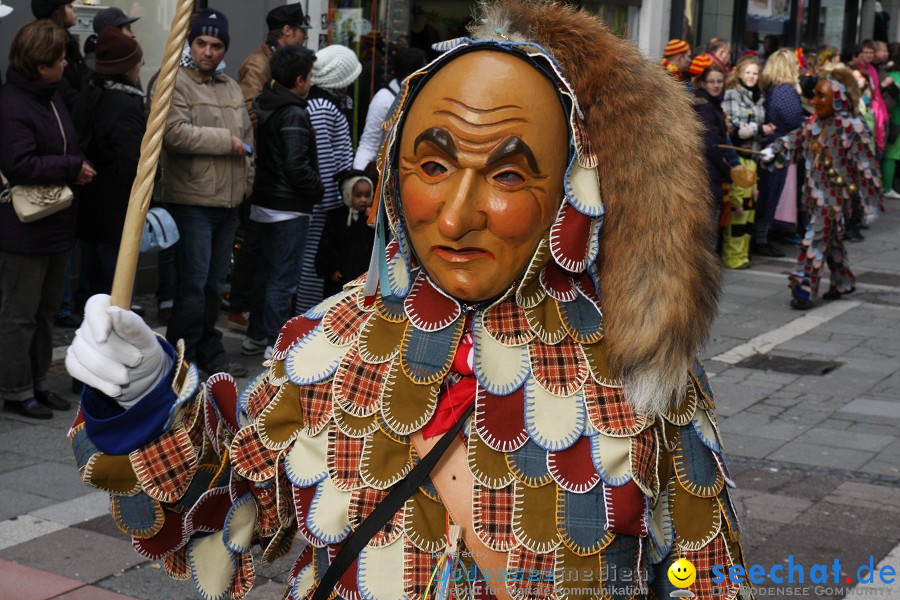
{"x": 745, "y": 132}
{"x": 115, "y": 352}
{"x": 767, "y": 155}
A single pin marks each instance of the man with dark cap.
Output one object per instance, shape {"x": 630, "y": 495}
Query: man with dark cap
{"x": 108, "y": 17}
{"x": 208, "y": 174}
{"x": 287, "y": 27}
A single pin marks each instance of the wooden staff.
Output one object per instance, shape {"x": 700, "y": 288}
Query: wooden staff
{"x": 151, "y": 145}
{"x": 739, "y": 149}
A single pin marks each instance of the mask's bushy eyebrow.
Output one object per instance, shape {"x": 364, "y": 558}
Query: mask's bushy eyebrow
{"x": 440, "y": 137}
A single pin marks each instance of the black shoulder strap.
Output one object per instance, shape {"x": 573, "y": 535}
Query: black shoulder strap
{"x": 398, "y": 495}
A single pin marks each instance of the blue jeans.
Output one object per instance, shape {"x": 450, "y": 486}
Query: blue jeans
{"x": 281, "y": 248}
{"x": 202, "y": 259}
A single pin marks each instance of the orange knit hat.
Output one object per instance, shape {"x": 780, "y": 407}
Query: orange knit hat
{"x": 699, "y": 64}
{"x": 675, "y": 47}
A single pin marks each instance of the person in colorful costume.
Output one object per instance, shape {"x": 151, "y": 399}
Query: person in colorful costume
{"x": 840, "y": 163}
{"x": 489, "y": 292}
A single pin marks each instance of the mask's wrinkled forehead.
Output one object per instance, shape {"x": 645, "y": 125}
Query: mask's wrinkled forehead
{"x": 581, "y": 208}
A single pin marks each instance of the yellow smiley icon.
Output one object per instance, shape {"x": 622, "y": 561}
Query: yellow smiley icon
{"x": 682, "y": 573}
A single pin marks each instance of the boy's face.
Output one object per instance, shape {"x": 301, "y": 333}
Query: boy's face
{"x": 361, "y": 197}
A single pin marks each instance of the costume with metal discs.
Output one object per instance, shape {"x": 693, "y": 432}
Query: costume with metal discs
{"x": 840, "y": 164}
{"x": 593, "y": 455}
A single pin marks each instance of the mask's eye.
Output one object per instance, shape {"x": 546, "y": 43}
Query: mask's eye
{"x": 433, "y": 169}
{"x": 509, "y": 178}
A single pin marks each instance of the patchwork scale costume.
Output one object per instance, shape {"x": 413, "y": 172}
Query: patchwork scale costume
{"x": 840, "y": 164}
{"x": 594, "y": 453}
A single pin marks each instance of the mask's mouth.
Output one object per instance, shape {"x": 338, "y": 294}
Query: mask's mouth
{"x": 461, "y": 255}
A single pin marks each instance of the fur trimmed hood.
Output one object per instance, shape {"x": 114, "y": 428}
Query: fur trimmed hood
{"x": 659, "y": 277}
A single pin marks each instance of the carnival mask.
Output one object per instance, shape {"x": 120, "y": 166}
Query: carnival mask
{"x": 482, "y": 159}
{"x": 823, "y": 99}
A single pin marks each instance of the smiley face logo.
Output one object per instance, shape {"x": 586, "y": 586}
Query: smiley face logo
{"x": 682, "y": 573}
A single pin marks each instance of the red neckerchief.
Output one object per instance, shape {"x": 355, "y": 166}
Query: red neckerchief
{"x": 455, "y": 398}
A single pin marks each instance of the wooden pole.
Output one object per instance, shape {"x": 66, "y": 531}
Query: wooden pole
{"x": 142, "y": 189}
{"x": 739, "y": 149}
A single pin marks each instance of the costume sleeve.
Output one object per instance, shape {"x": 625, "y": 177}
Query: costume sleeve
{"x": 184, "y": 137}
{"x": 372, "y": 133}
{"x": 786, "y": 148}
{"x": 693, "y": 516}
{"x": 866, "y": 173}
{"x": 165, "y": 463}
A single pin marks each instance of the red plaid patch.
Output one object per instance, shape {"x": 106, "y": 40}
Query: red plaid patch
{"x": 344, "y": 453}
{"x": 358, "y": 385}
{"x": 417, "y": 569}
{"x": 343, "y": 321}
{"x": 266, "y": 509}
{"x": 315, "y": 400}
{"x": 259, "y": 399}
{"x": 177, "y": 565}
{"x": 644, "y": 461}
{"x": 362, "y": 503}
{"x": 245, "y": 577}
{"x": 166, "y": 465}
{"x": 530, "y": 566}
{"x": 610, "y": 412}
{"x": 560, "y": 369}
{"x": 507, "y": 323}
{"x": 714, "y": 553}
{"x": 493, "y": 516}
{"x": 250, "y": 458}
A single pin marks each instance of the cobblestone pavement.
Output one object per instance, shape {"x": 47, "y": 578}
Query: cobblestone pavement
{"x": 809, "y": 406}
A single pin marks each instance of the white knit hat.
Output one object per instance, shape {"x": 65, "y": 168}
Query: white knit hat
{"x": 336, "y": 67}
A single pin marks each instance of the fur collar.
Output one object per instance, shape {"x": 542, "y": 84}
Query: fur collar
{"x": 659, "y": 277}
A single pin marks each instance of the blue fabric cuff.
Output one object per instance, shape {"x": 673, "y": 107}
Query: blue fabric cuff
{"x": 117, "y": 431}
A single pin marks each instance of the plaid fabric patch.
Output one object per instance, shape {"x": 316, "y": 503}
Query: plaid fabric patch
{"x": 560, "y": 369}
{"x": 622, "y": 555}
{"x": 177, "y": 565}
{"x": 524, "y": 566}
{"x": 426, "y": 356}
{"x": 250, "y": 458}
{"x": 245, "y": 576}
{"x": 343, "y": 321}
{"x": 714, "y": 553}
{"x": 610, "y": 412}
{"x": 358, "y": 385}
{"x": 315, "y": 400}
{"x": 362, "y": 504}
{"x": 493, "y": 514}
{"x": 644, "y": 461}
{"x": 259, "y": 399}
{"x": 506, "y": 322}
{"x": 417, "y": 569}
{"x": 266, "y": 508}
{"x": 165, "y": 466}
{"x": 344, "y": 453}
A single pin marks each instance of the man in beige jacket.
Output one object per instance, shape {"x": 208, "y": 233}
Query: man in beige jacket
{"x": 208, "y": 173}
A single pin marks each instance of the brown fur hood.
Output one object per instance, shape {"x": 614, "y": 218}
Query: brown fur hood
{"x": 659, "y": 277}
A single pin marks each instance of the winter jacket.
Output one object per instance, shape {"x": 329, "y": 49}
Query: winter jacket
{"x": 709, "y": 112}
{"x": 373, "y": 133}
{"x": 200, "y": 169}
{"x": 741, "y": 110}
{"x": 75, "y": 74}
{"x": 253, "y": 76}
{"x": 345, "y": 248}
{"x": 32, "y": 150}
{"x": 112, "y": 131}
{"x": 287, "y": 164}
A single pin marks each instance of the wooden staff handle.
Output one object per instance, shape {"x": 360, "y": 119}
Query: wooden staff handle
{"x": 739, "y": 149}
{"x": 151, "y": 145}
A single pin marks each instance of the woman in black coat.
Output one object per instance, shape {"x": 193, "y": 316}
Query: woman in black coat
{"x": 709, "y": 90}
{"x": 113, "y": 144}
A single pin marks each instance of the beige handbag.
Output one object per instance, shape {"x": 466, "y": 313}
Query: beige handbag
{"x": 33, "y": 202}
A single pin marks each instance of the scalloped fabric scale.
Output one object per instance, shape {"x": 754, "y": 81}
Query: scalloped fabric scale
{"x": 579, "y": 519}
{"x": 492, "y": 516}
{"x": 561, "y": 369}
{"x": 528, "y": 465}
{"x": 428, "y": 308}
{"x": 342, "y": 321}
{"x": 506, "y": 322}
{"x": 572, "y": 468}
{"x": 165, "y": 466}
{"x": 554, "y": 423}
{"x": 500, "y": 420}
{"x": 358, "y": 385}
